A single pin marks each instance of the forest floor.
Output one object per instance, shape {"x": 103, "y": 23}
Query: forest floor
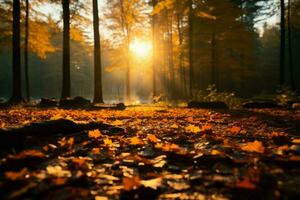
{"x": 156, "y": 153}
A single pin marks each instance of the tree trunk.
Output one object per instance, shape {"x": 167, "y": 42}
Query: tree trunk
{"x": 282, "y": 43}
{"x": 98, "y": 97}
{"x": 191, "y": 60}
{"x": 17, "y": 89}
{"x": 213, "y": 57}
{"x": 290, "y": 46}
{"x": 27, "y": 87}
{"x": 66, "y": 84}
{"x": 154, "y": 50}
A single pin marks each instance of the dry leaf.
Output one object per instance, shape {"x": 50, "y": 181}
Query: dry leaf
{"x": 296, "y": 141}
{"x": 96, "y": 151}
{"x": 152, "y": 138}
{"x": 235, "y": 129}
{"x": 246, "y": 183}
{"x": 58, "y": 171}
{"x": 255, "y": 146}
{"x": 28, "y": 153}
{"x": 16, "y": 175}
{"x": 94, "y": 134}
{"x": 136, "y": 141}
{"x": 152, "y": 183}
{"x": 131, "y": 183}
{"x": 206, "y": 127}
{"x": 192, "y": 129}
{"x": 117, "y": 123}
{"x": 107, "y": 142}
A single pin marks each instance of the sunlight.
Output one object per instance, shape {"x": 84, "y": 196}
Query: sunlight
{"x": 141, "y": 48}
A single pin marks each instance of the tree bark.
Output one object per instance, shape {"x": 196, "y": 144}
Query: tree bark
{"x": 98, "y": 96}
{"x": 191, "y": 60}
{"x": 27, "y": 87}
{"x": 282, "y": 43}
{"x": 154, "y": 50}
{"x": 17, "y": 89}
{"x": 66, "y": 84}
{"x": 290, "y": 46}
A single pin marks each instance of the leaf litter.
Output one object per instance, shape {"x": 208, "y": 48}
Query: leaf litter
{"x": 156, "y": 154}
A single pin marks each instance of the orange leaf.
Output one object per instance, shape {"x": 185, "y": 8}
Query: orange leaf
{"x": 95, "y": 151}
{"x": 246, "y": 184}
{"x": 94, "y": 134}
{"x": 28, "y": 153}
{"x": 206, "y": 127}
{"x": 16, "y": 175}
{"x": 152, "y": 138}
{"x": 235, "y": 129}
{"x": 255, "y": 146}
{"x": 131, "y": 183}
{"x": 136, "y": 141}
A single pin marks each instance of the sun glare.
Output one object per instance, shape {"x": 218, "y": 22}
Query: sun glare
{"x": 141, "y": 48}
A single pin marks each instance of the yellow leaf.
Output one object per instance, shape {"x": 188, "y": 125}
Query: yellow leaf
{"x": 131, "y": 183}
{"x": 152, "y": 138}
{"x": 296, "y": 141}
{"x": 136, "y": 141}
{"x": 117, "y": 123}
{"x": 94, "y": 134}
{"x": 174, "y": 126}
{"x": 255, "y": 146}
{"x": 215, "y": 152}
{"x": 107, "y": 142}
{"x": 192, "y": 129}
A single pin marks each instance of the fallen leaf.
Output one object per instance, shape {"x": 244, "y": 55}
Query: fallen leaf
{"x": 117, "y": 123}
{"x": 235, "y": 129}
{"x": 152, "y": 183}
{"x": 16, "y": 175}
{"x": 101, "y": 198}
{"x": 152, "y": 138}
{"x": 206, "y": 127}
{"x": 246, "y": 183}
{"x": 96, "y": 151}
{"x": 136, "y": 141}
{"x": 192, "y": 129}
{"x": 94, "y": 134}
{"x": 215, "y": 152}
{"x": 174, "y": 126}
{"x": 58, "y": 171}
{"x": 131, "y": 183}
{"x": 28, "y": 153}
{"x": 107, "y": 142}
{"x": 255, "y": 146}
{"x": 296, "y": 141}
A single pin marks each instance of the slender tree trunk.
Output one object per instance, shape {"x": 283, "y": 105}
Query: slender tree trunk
{"x": 282, "y": 43}
{"x": 126, "y": 32}
{"x": 66, "y": 85}
{"x": 290, "y": 45}
{"x": 27, "y": 87}
{"x": 213, "y": 57}
{"x": 180, "y": 41}
{"x": 17, "y": 89}
{"x": 154, "y": 50}
{"x": 98, "y": 97}
{"x": 191, "y": 56}
{"x": 171, "y": 61}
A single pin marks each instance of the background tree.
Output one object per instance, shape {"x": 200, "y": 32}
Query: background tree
{"x": 98, "y": 98}
{"x": 282, "y": 43}
{"x": 17, "y": 86}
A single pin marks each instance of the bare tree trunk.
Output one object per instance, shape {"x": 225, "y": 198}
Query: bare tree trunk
{"x": 27, "y": 87}
{"x": 154, "y": 50}
{"x": 282, "y": 43}
{"x": 17, "y": 89}
{"x": 66, "y": 85}
{"x": 213, "y": 57}
{"x": 290, "y": 46}
{"x": 98, "y": 96}
{"x": 191, "y": 56}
